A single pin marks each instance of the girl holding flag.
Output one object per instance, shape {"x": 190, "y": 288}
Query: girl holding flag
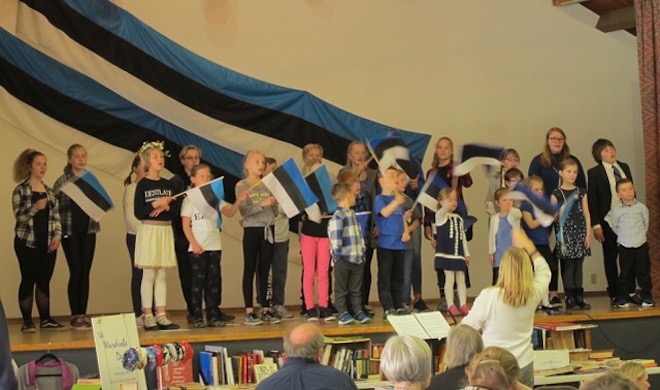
{"x": 573, "y": 232}
{"x": 78, "y": 239}
{"x": 201, "y": 226}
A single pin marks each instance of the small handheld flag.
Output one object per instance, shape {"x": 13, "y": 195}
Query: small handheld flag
{"x": 472, "y": 155}
{"x": 391, "y": 151}
{"x": 544, "y": 209}
{"x": 321, "y": 185}
{"x": 428, "y": 195}
{"x": 288, "y": 186}
{"x": 88, "y": 193}
{"x": 207, "y": 197}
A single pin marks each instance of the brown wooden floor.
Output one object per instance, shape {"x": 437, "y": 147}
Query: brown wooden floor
{"x": 70, "y": 339}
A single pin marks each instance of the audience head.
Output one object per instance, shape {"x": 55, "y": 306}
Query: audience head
{"x": 303, "y": 341}
{"x": 603, "y": 150}
{"x": 463, "y": 343}
{"x": 30, "y": 163}
{"x": 76, "y": 159}
{"x": 494, "y": 368}
{"x": 516, "y": 277}
{"x": 555, "y": 144}
{"x": 510, "y": 159}
{"x": 637, "y": 373}
{"x": 189, "y": 156}
{"x": 407, "y": 360}
{"x": 609, "y": 381}
{"x": 444, "y": 152}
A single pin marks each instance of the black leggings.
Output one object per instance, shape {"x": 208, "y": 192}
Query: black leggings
{"x": 79, "y": 251}
{"x": 571, "y": 272}
{"x": 257, "y": 256}
{"x": 37, "y": 265}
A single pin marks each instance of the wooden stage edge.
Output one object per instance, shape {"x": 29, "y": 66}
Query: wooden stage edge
{"x": 237, "y": 331}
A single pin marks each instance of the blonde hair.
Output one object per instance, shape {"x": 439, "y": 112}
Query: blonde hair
{"x": 145, "y": 153}
{"x": 634, "y": 371}
{"x": 546, "y": 155}
{"x": 23, "y": 163}
{"x": 516, "y": 278}
{"x": 531, "y": 180}
{"x": 307, "y": 148}
{"x": 188, "y": 148}
{"x": 495, "y": 368}
{"x": 249, "y": 154}
{"x": 309, "y": 165}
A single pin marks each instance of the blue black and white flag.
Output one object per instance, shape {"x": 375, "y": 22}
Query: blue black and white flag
{"x": 88, "y": 193}
{"x": 207, "y": 198}
{"x": 91, "y": 71}
{"x": 289, "y": 187}
{"x": 390, "y": 150}
{"x": 544, "y": 209}
{"x": 473, "y": 155}
{"x": 321, "y": 185}
{"x": 428, "y": 195}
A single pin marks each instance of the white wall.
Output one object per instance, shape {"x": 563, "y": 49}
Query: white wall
{"x": 499, "y": 71}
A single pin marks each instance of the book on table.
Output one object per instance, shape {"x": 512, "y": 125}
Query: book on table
{"x": 427, "y": 325}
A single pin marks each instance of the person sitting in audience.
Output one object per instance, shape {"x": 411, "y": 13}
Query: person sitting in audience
{"x": 407, "y": 362}
{"x": 463, "y": 343}
{"x": 495, "y": 368}
{"x": 609, "y": 381}
{"x": 303, "y": 346}
{"x": 637, "y": 373}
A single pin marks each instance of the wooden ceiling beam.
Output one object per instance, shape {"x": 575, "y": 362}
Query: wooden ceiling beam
{"x": 566, "y": 2}
{"x": 617, "y": 19}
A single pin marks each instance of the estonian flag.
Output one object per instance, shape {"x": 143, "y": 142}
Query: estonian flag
{"x": 477, "y": 154}
{"x": 321, "y": 185}
{"x": 428, "y": 195}
{"x": 89, "y": 195}
{"x": 544, "y": 209}
{"x": 391, "y": 151}
{"x": 288, "y": 186}
{"x": 207, "y": 197}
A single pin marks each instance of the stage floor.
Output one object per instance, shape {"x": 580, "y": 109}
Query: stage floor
{"x": 237, "y": 331}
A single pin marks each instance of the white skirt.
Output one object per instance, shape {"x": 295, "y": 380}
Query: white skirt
{"x": 154, "y": 246}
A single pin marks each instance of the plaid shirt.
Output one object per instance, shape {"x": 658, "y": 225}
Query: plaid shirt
{"x": 22, "y": 203}
{"x": 346, "y": 241}
{"x": 65, "y": 208}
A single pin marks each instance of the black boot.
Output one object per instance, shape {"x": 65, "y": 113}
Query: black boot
{"x": 570, "y": 298}
{"x": 579, "y": 299}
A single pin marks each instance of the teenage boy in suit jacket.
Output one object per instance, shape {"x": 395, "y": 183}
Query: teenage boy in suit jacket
{"x": 602, "y": 198}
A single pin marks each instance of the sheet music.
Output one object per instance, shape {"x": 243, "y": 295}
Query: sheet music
{"x": 407, "y": 325}
{"x": 434, "y": 323}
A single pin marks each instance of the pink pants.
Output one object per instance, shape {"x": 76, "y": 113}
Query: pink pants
{"x": 316, "y": 257}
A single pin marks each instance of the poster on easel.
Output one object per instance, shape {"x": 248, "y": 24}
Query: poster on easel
{"x": 113, "y": 335}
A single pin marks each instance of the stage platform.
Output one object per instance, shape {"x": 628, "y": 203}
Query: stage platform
{"x": 632, "y": 331}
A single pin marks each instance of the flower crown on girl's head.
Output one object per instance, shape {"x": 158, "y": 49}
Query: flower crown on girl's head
{"x": 154, "y": 145}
